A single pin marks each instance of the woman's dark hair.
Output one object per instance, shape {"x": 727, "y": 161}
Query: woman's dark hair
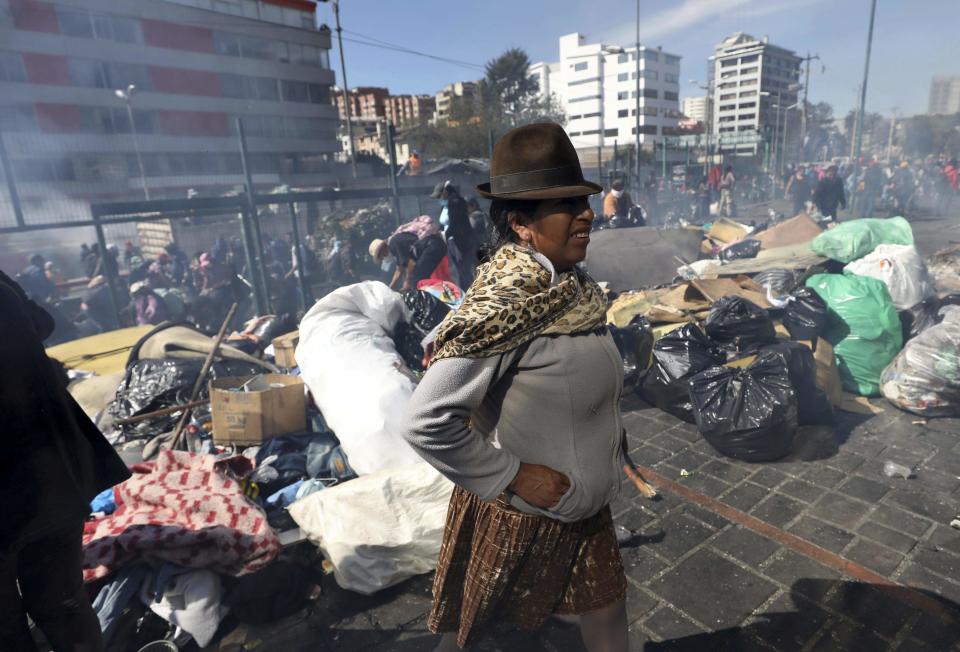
{"x": 500, "y": 211}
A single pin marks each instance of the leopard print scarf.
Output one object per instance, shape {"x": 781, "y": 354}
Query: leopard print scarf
{"x": 512, "y": 301}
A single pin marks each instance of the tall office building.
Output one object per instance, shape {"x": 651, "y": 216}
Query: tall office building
{"x": 747, "y": 77}
{"x": 596, "y": 86}
{"x": 695, "y": 108}
{"x": 944, "y": 96}
{"x": 196, "y": 66}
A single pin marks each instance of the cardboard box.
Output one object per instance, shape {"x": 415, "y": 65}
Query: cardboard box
{"x": 276, "y": 405}
{"x": 284, "y": 348}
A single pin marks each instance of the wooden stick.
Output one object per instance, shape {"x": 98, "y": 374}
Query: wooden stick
{"x": 185, "y": 417}
{"x": 161, "y": 412}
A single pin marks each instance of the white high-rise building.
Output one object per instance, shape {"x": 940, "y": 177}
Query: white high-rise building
{"x": 695, "y": 108}
{"x": 747, "y": 78}
{"x": 944, "y": 95}
{"x": 596, "y": 85}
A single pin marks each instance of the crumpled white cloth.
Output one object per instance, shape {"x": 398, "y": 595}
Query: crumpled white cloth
{"x": 192, "y": 602}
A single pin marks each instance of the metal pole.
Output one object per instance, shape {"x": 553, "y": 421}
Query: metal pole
{"x": 136, "y": 148}
{"x": 857, "y": 144}
{"x": 392, "y": 153}
{"x": 107, "y": 271}
{"x": 346, "y": 93}
{"x": 11, "y": 183}
{"x": 636, "y": 138}
{"x": 302, "y": 284}
{"x": 254, "y": 262}
{"x": 806, "y": 91}
{"x": 663, "y": 150}
{"x": 776, "y": 138}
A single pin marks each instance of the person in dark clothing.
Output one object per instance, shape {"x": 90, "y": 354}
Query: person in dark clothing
{"x": 479, "y": 222}
{"x": 460, "y": 237}
{"x": 178, "y": 262}
{"x": 799, "y": 190}
{"x": 872, "y": 189}
{"x": 418, "y": 251}
{"x": 55, "y": 461}
{"x": 96, "y": 303}
{"x": 830, "y": 194}
{"x": 33, "y": 279}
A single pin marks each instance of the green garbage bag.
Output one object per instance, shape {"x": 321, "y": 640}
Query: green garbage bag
{"x": 855, "y": 239}
{"x": 863, "y": 327}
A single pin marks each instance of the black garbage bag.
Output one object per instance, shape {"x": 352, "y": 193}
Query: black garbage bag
{"x": 151, "y": 385}
{"x": 813, "y": 405}
{"x": 428, "y": 310}
{"x": 406, "y": 339}
{"x": 275, "y": 326}
{"x": 738, "y": 321}
{"x": 916, "y": 319}
{"x": 805, "y": 315}
{"x": 277, "y": 591}
{"x": 677, "y": 356}
{"x": 635, "y": 343}
{"x": 741, "y": 249}
{"x": 748, "y": 414}
{"x": 778, "y": 281}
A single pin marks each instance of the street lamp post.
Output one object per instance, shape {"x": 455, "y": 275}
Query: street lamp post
{"x": 636, "y": 103}
{"x": 127, "y": 96}
{"x": 346, "y": 92}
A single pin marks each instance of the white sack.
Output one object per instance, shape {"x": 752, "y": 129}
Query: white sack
{"x": 192, "y": 602}
{"x": 358, "y": 380}
{"x": 901, "y": 269}
{"x": 379, "y": 529}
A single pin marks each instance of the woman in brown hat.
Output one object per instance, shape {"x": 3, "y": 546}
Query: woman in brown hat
{"x": 520, "y": 409}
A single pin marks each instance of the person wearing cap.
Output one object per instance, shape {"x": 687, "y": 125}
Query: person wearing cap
{"x": 33, "y": 279}
{"x": 461, "y": 242}
{"x": 520, "y": 409}
{"x": 148, "y": 306}
{"x": 617, "y": 202}
{"x": 418, "y": 251}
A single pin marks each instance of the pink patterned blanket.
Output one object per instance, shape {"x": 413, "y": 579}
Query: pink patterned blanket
{"x": 185, "y": 509}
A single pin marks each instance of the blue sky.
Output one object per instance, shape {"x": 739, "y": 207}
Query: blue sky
{"x": 913, "y": 39}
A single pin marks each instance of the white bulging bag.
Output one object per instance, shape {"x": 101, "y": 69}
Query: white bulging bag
{"x": 360, "y": 383}
{"x": 901, "y": 269}
{"x": 378, "y": 529}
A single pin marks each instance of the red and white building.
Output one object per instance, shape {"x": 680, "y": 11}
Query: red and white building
{"x": 197, "y": 65}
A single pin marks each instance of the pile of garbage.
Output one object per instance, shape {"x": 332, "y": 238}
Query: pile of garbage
{"x": 776, "y": 327}
{"x": 243, "y": 455}
{"x": 359, "y": 225}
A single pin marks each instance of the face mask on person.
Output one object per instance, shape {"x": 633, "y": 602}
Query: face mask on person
{"x": 442, "y": 202}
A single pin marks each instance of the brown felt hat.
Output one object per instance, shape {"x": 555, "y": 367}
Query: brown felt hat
{"x": 536, "y": 161}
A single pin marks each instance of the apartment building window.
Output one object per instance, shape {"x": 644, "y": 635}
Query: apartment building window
{"x": 748, "y": 71}
{"x": 319, "y": 94}
{"x": 592, "y": 132}
{"x": 728, "y": 107}
{"x": 584, "y": 99}
{"x": 11, "y": 67}
{"x": 748, "y": 94}
{"x": 748, "y": 82}
{"x": 672, "y": 60}
{"x": 77, "y": 22}
{"x": 748, "y": 116}
{"x": 650, "y": 55}
{"x": 235, "y": 45}
{"x": 647, "y": 110}
{"x": 589, "y": 115}
{"x": 294, "y": 91}
{"x": 670, "y": 95}
{"x": 577, "y": 67}
{"x": 749, "y": 59}
{"x": 610, "y": 132}
{"x": 728, "y": 96}
{"x": 727, "y": 85}
{"x": 623, "y": 95}
{"x": 624, "y": 76}
{"x": 17, "y": 117}
{"x": 6, "y": 19}
{"x": 623, "y": 113}
{"x": 649, "y": 130}
{"x": 249, "y": 88}
{"x": 650, "y": 93}
{"x": 748, "y": 105}
{"x": 592, "y": 80}
{"x": 623, "y": 58}
{"x": 671, "y": 79}
{"x": 727, "y": 63}
{"x": 103, "y": 120}
{"x": 646, "y": 74}
{"x": 112, "y": 74}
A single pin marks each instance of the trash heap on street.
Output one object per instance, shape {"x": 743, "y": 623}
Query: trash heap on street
{"x": 255, "y": 455}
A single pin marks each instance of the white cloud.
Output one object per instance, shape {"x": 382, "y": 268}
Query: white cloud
{"x": 688, "y": 13}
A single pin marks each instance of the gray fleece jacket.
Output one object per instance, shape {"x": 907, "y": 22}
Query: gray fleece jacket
{"x": 554, "y": 401}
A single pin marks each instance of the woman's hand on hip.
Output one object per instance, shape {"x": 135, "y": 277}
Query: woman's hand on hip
{"x": 539, "y": 485}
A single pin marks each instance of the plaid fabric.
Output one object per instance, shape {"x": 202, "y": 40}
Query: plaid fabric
{"x": 497, "y": 563}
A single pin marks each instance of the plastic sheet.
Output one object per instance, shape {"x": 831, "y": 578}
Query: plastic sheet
{"x": 925, "y": 377}
{"x": 735, "y": 320}
{"x": 677, "y": 356}
{"x": 925, "y": 314}
{"x": 901, "y": 269}
{"x": 862, "y": 326}
{"x": 748, "y": 414}
{"x": 855, "y": 239}
{"x": 777, "y": 282}
{"x": 805, "y": 315}
{"x": 151, "y": 385}
{"x": 635, "y": 343}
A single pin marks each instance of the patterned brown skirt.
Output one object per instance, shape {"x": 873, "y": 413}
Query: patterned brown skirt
{"x": 499, "y": 564}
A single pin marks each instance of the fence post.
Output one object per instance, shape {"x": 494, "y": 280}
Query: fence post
{"x": 11, "y": 183}
{"x": 300, "y": 259}
{"x": 107, "y": 271}
{"x": 392, "y": 152}
{"x": 254, "y": 262}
